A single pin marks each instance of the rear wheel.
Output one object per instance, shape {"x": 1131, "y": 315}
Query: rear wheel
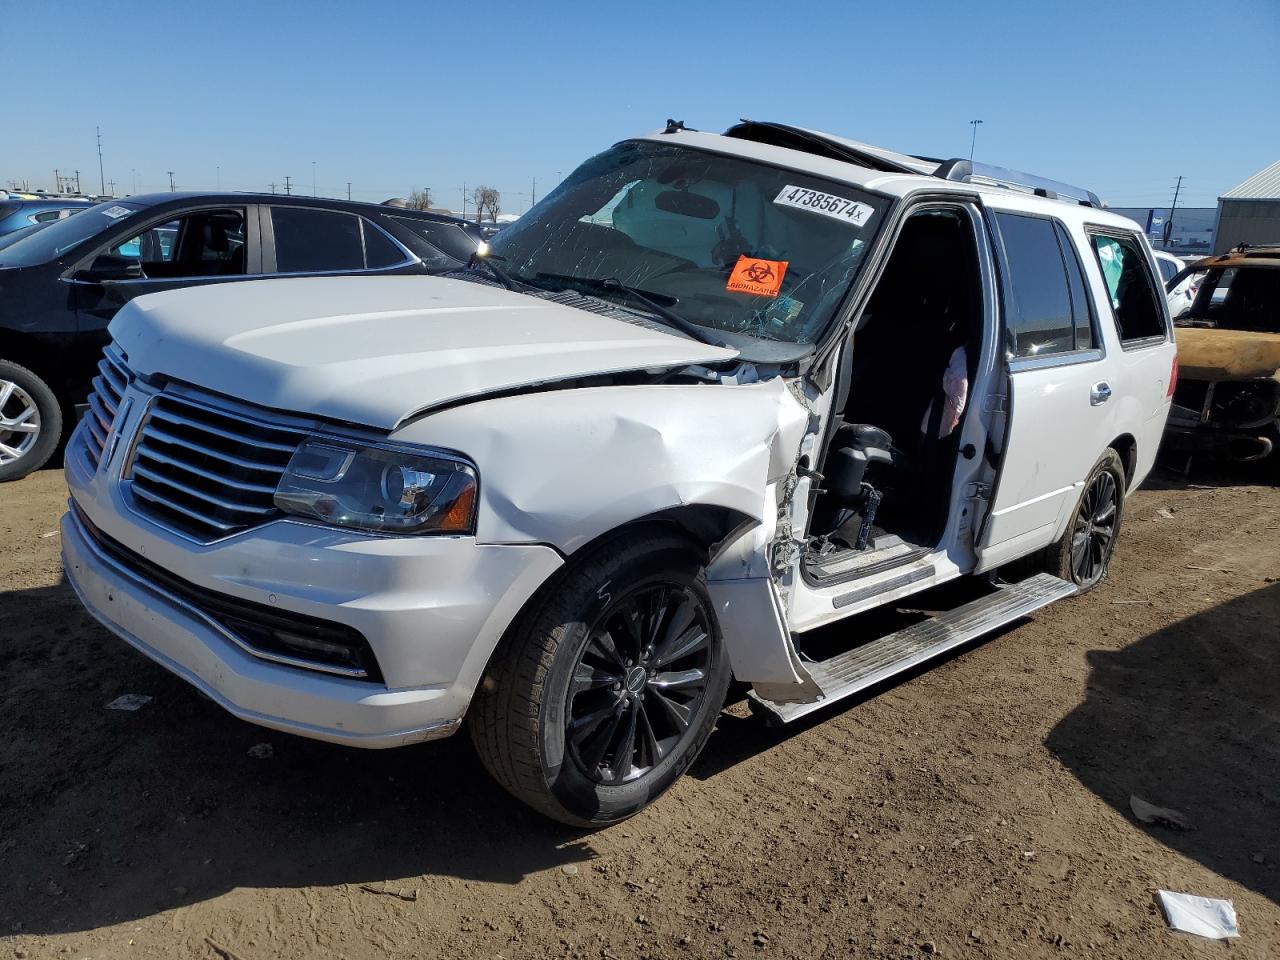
{"x": 609, "y": 687}
{"x": 30, "y": 421}
{"x": 1083, "y": 555}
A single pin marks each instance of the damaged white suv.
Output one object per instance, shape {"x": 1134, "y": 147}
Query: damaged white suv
{"x": 712, "y": 393}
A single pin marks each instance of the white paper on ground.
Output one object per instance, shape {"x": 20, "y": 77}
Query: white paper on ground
{"x": 1203, "y": 916}
{"x": 129, "y": 701}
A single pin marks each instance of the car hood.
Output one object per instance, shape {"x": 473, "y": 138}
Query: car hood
{"x": 380, "y": 350}
{"x": 1206, "y": 353}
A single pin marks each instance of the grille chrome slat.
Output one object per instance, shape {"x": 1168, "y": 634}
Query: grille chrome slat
{"x": 189, "y": 491}
{"x": 207, "y": 467}
{"x": 104, "y": 400}
{"x": 152, "y": 432}
{"x": 171, "y": 417}
{"x": 167, "y": 461}
{"x": 168, "y": 504}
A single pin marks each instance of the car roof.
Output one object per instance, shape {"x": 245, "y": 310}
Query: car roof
{"x": 50, "y": 201}
{"x": 1245, "y": 255}
{"x": 285, "y": 200}
{"x": 891, "y": 178}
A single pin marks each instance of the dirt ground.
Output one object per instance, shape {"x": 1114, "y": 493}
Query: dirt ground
{"x": 980, "y": 809}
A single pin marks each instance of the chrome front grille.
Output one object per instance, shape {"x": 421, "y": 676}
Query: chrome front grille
{"x": 207, "y": 468}
{"x": 108, "y": 389}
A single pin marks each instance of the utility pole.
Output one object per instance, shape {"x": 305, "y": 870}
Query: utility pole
{"x": 219, "y": 175}
{"x": 313, "y": 178}
{"x": 533, "y": 195}
{"x": 973, "y": 141}
{"x": 172, "y": 188}
{"x": 464, "y": 199}
{"x": 134, "y": 170}
{"x": 288, "y": 187}
{"x": 102, "y": 180}
{"x": 348, "y": 189}
{"x": 112, "y": 185}
{"x": 272, "y": 185}
{"x": 1168, "y": 224}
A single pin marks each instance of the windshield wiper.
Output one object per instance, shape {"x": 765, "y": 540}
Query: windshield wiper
{"x": 504, "y": 278}
{"x": 614, "y": 285}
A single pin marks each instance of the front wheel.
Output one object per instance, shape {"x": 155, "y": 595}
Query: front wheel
{"x": 30, "y": 421}
{"x": 610, "y": 685}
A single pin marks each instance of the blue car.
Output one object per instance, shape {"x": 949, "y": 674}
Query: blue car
{"x": 16, "y": 214}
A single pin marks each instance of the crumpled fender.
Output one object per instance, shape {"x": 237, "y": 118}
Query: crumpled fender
{"x": 563, "y": 467}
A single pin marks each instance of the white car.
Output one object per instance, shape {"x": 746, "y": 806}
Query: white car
{"x": 712, "y": 393}
{"x": 1183, "y": 295}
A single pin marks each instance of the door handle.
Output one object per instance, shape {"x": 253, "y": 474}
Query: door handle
{"x": 1099, "y": 393}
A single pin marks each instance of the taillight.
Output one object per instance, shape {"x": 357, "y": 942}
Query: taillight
{"x": 1173, "y": 376}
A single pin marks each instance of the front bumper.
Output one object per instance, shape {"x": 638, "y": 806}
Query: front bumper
{"x": 431, "y": 608}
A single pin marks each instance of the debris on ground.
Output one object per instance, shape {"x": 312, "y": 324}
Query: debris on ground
{"x": 220, "y": 950}
{"x": 1164, "y": 513}
{"x": 400, "y": 893}
{"x": 1203, "y": 916}
{"x": 1161, "y": 816}
{"x": 262, "y": 751}
{"x": 129, "y": 701}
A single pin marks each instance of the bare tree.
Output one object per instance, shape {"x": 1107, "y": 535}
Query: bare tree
{"x": 488, "y": 202}
{"x": 420, "y": 199}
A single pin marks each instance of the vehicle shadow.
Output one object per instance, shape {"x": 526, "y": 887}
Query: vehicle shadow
{"x": 1189, "y": 718}
{"x": 108, "y": 815}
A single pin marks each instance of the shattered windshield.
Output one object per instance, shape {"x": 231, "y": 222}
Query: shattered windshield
{"x": 726, "y": 244}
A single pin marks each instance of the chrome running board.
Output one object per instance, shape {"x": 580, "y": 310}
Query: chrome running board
{"x": 870, "y": 663}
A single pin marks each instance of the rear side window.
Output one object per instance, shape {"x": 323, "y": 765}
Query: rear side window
{"x": 316, "y": 241}
{"x": 1168, "y": 269}
{"x": 379, "y": 249}
{"x": 1049, "y": 313}
{"x": 1134, "y": 301}
{"x": 449, "y": 237}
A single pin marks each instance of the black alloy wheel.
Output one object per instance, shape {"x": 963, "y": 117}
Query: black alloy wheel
{"x": 1094, "y": 531}
{"x": 640, "y": 679}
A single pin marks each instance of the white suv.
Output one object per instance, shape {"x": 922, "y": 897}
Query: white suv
{"x": 714, "y": 392}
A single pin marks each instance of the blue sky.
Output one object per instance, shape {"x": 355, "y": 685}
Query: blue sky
{"x": 1121, "y": 97}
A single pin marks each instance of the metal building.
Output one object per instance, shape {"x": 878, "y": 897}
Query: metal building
{"x": 1250, "y": 212}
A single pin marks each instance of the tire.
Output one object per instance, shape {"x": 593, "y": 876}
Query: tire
{"x": 551, "y": 719}
{"x": 1061, "y": 558}
{"x": 26, "y": 401}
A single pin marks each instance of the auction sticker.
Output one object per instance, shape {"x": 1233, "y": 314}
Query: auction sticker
{"x": 828, "y": 204}
{"x": 760, "y": 277}
{"x": 115, "y": 213}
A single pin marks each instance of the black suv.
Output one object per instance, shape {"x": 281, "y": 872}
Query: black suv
{"x": 63, "y": 282}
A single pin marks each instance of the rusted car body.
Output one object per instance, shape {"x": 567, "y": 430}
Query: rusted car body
{"x": 1227, "y": 402}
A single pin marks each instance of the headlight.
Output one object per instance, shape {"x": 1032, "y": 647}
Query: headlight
{"x": 378, "y": 488}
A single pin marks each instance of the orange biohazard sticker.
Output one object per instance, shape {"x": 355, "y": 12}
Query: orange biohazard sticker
{"x": 760, "y": 277}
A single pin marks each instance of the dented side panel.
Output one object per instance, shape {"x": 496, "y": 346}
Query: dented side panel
{"x": 591, "y": 460}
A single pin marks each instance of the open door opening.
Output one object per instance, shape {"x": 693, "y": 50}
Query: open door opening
{"x": 889, "y": 466}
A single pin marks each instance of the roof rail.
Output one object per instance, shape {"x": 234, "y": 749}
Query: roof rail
{"x": 966, "y": 171}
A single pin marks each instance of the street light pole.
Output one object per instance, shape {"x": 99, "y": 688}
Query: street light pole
{"x": 973, "y": 141}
